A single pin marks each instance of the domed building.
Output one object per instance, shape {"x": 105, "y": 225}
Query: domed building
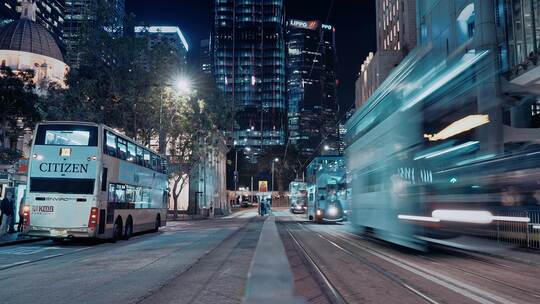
{"x": 27, "y": 45}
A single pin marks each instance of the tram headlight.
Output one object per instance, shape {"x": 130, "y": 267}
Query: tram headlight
{"x": 332, "y": 211}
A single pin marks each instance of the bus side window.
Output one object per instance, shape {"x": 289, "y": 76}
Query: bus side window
{"x": 112, "y": 192}
{"x": 132, "y": 154}
{"x": 154, "y": 162}
{"x": 122, "y": 148}
{"x": 163, "y": 166}
{"x": 147, "y": 160}
{"x": 140, "y": 157}
{"x": 104, "y": 179}
{"x": 110, "y": 144}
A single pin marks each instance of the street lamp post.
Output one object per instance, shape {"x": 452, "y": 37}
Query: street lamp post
{"x": 235, "y": 175}
{"x": 273, "y": 162}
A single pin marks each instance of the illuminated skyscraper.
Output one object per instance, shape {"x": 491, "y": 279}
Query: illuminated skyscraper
{"x": 248, "y": 50}
{"x": 81, "y": 13}
{"x": 396, "y": 37}
{"x": 49, "y": 13}
{"x": 311, "y": 87}
{"x": 166, "y": 34}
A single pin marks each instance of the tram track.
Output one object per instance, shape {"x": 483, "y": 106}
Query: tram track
{"x": 330, "y": 290}
{"x": 455, "y": 279}
{"x": 334, "y": 293}
{"x": 452, "y": 252}
{"x": 476, "y": 294}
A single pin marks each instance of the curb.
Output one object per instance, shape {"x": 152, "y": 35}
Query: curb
{"x": 22, "y": 241}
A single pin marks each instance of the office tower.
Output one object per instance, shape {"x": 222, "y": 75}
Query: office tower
{"x": 49, "y": 13}
{"x": 311, "y": 87}
{"x": 82, "y": 13}
{"x": 248, "y": 50}
{"x": 396, "y": 37}
{"x": 166, "y": 34}
{"x": 205, "y": 57}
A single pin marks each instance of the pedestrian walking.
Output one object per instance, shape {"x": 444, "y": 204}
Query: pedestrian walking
{"x": 6, "y": 207}
{"x": 21, "y": 215}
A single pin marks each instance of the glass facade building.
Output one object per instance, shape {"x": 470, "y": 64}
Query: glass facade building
{"x": 49, "y": 13}
{"x": 248, "y": 50}
{"x": 311, "y": 87}
{"x": 81, "y": 12}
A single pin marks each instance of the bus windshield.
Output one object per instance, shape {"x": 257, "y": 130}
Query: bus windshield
{"x": 67, "y": 135}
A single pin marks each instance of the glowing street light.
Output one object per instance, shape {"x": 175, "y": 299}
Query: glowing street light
{"x": 326, "y": 148}
{"x": 183, "y": 85}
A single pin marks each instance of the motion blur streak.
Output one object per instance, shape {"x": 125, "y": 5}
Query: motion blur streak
{"x": 464, "y": 216}
{"x": 418, "y": 218}
{"x": 465, "y": 124}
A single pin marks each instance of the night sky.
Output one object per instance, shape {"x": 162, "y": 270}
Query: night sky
{"x": 354, "y": 21}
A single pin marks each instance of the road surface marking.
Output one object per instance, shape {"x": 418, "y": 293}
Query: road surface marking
{"x": 26, "y": 250}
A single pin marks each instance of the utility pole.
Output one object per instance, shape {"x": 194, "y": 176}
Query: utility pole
{"x": 272, "y": 176}
{"x": 251, "y": 190}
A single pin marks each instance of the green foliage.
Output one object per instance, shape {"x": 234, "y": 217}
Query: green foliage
{"x": 18, "y": 106}
{"x": 9, "y": 156}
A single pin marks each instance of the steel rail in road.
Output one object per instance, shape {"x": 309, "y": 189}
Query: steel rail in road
{"x": 331, "y": 291}
{"x": 469, "y": 255}
{"x": 380, "y": 270}
{"x": 462, "y": 288}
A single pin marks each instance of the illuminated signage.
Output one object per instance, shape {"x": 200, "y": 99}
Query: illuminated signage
{"x": 457, "y": 127}
{"x": 263, "y": 186}
{"x": 326, "y": 27}
{"x": 310, "y": 25}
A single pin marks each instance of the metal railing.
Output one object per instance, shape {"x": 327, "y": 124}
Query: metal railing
{"x": 519, "y": 233}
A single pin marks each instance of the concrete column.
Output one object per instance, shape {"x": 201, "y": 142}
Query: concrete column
{"x": 488, "y": 91}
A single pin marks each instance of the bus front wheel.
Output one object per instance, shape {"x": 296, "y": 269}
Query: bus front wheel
{"x": 117, "y": 229}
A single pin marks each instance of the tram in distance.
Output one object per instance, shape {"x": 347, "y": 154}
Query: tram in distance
{"x": 430, "y": 158}
{"x": 87, "y": 181}
{"x": 326, "y": 189}
{"x": 298, "y": 197}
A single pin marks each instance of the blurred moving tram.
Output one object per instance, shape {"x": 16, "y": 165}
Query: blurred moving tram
{"x": 327, "y": 189}
{"x": 434, "y": 152}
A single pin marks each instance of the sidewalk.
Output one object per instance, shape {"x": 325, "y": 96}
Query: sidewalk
{"x": 491, "y": 248}
{"x": 16, "y": 238}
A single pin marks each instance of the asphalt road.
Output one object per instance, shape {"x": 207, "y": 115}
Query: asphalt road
{"x": 208, "y": 261}
{"x": 140, "y": 270}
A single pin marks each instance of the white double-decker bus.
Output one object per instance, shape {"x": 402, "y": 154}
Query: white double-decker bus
{"x": 87, "y": 181}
